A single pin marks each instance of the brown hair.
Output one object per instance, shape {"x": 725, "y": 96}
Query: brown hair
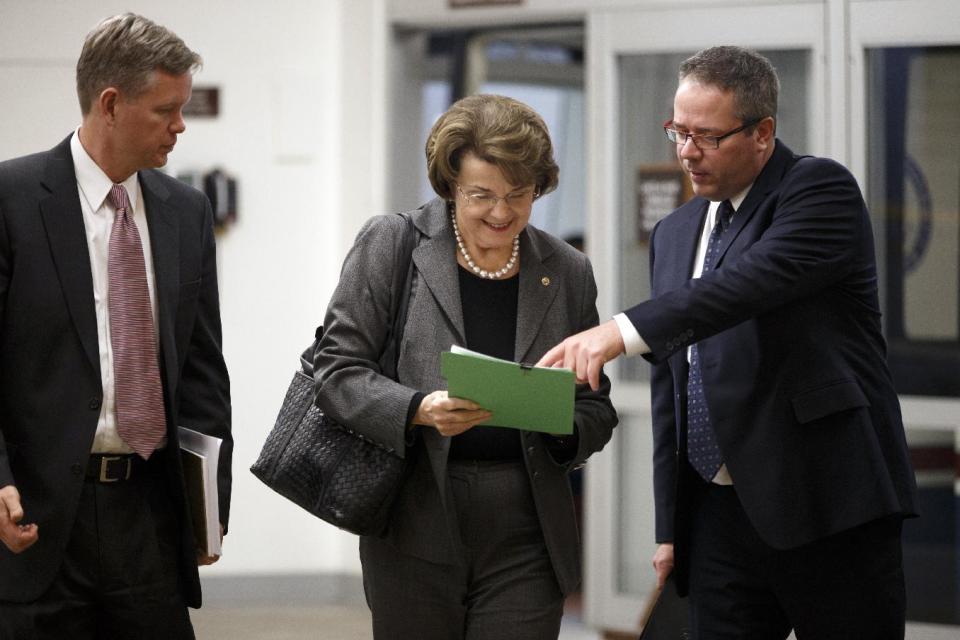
{"x": 499, "y": 130}
{"x": 123, "y": 51}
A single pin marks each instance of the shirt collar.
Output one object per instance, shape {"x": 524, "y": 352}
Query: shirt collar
{"x": 93, "y": 182}
{"x": 735, "y": 201}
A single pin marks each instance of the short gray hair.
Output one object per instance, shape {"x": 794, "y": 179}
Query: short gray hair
{"x": 749, "y": 75}
{"x": 123, "y": 51}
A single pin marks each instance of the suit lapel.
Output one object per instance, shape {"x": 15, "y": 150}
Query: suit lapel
{"x": 538, "y": 283}
{"x": 680, "y": 259}
{"x": 63, "y": 222}
{"x": 437, "y": 266}
{"x": 165, "y": 245}
{"x": 768, "y": 180}
{"x": 538, "y": 287}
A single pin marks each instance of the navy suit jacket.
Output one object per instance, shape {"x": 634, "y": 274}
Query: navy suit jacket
{"x": 50, "y": 384}
{"x": 788, "y": 330}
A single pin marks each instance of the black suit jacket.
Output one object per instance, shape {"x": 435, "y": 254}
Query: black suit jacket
{"x": 50, "y": 389}
{"x": 788, "y": 330}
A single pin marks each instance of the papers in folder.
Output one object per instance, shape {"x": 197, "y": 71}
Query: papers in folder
{"x": 520, "y": 396}
{"x": 200, "y": 455}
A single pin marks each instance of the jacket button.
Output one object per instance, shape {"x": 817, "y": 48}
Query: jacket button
{"x": 669, "y": 346}
{"x": 536, "y": 474}
{"x": 94, "y": 403}
{"x": 689, "y": 333}
{"x": 530, "y": 449}
{"x": 76, "y": 469}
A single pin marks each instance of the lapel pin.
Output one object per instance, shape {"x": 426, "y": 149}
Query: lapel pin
{"x": 545, "y": 281}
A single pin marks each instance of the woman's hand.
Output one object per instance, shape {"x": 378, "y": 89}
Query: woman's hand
{"x": 449, "y": 416}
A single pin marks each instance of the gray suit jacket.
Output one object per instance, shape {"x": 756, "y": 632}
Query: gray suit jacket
{"x": 557, "y": 298}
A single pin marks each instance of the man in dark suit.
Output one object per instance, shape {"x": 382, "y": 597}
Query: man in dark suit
{"x": 109, "y": 339}
{"x": 781, "y": 472}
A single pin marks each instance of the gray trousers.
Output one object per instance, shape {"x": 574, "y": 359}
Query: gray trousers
{"x": 504, "y": 586}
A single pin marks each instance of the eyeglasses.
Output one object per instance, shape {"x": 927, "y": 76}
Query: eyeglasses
{"x": 702, "y": 142}
{"x": 483, "y": 201}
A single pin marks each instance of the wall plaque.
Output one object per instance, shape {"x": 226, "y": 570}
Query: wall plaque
{"x": 660, "y": 189}
{"x": 204, "y": 103}
{"x": 456, "y": 4}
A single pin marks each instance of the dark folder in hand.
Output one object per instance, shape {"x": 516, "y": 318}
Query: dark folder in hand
{"x": 669, "y": 617}
{"x": 200, "y": 457}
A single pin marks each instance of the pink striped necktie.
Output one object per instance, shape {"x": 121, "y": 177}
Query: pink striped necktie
{"x": 136, "y": 371}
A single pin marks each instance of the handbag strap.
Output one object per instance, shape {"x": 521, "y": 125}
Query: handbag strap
{"x": 391, "y": 353}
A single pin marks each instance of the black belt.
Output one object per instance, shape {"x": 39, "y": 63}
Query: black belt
{"x": 120, "y": 467}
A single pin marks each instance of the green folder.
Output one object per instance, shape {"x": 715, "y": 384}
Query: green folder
{"x": 519, "y": 396}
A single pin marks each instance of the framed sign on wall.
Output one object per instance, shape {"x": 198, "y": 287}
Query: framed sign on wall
{"x": 660, "y": 189}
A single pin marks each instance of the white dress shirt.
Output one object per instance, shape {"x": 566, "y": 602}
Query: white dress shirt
{"x": 94, "y": 187}
{"x": 634, "y": 344}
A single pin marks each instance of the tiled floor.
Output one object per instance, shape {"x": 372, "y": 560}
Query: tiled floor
{"x": 221, "y": 621}
{"x": 277, "y": 622}
{"x": 312, "y": 607}
{"x": 306, "y": 607}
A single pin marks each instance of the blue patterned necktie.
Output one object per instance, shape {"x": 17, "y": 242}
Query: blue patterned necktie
{"x": 702, "y": 449}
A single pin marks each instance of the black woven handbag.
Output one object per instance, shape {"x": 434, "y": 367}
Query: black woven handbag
{"x": 332, "y": 472}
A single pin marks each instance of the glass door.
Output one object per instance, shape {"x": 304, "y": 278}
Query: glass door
{"x": 540, "y": 65}
{"x": 904, "y": 128}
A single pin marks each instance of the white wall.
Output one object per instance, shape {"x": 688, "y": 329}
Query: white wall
{"x": 297, "y": 83}
{"x": 440, "y": 13}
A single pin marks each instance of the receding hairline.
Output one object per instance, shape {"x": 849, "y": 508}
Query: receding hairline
{"x": 124, "y": 52}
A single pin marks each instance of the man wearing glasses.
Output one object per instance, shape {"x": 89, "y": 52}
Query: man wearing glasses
{"x": 781, "y": 472}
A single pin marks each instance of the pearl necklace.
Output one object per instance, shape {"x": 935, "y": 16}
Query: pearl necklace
{"x": 483, "y": 273}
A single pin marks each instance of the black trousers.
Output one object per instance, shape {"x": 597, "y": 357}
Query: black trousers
{"x": 119, "y": 578}
{"x": 504, "y": 586}
{"x": 849, "y": 585}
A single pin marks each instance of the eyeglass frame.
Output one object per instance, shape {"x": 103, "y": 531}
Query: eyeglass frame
{"x": 694, "y": 136}
{"x": 470, "y": 198}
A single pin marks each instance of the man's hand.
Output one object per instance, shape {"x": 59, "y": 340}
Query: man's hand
{"x": 449, "y": 416}
{"x": 663, "y": 563}
{"x": 586, "y": 352}
{"x": 203, "y": 559}
{"x": 15, "y": 536}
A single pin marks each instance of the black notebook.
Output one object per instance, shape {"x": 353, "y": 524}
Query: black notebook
{"x": 669, "y": 617}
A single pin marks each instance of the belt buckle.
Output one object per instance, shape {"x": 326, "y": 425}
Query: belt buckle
{"x": 105, "y": 460}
